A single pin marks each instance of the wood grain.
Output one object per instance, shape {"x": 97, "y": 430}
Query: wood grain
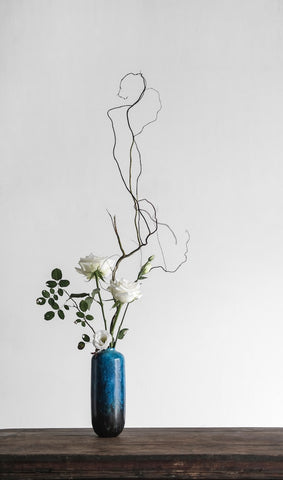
{"x": 149, "y": 453}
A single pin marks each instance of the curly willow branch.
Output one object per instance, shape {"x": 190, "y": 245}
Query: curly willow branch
{"x": 142, "y": 215}
{"x": 182, "y": 262}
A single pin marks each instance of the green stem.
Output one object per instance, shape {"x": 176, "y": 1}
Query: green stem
{"x": 121, "y": 323}
{"x": 100, "y": 301}
{"x": 114, "y": 320}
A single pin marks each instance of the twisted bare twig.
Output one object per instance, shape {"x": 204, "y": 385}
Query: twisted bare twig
{"x": 142, "y": 215}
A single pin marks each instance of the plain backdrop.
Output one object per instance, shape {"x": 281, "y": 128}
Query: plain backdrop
{"x": 204, "y": 346}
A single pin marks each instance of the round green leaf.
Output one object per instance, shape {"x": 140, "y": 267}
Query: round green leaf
{"x": 61, "y": 314}
{"x": 89, "y": 317}
{"x": 66, "y": 307}
{"x": 81, "y": 345}
{"x": 64, "y": 283}
{"x": 80, "y": 314}
{"x": 40, "y": 301}
{"x": 53, "y": 304}
{"x": 89, "y": 301}
{"x": 60, "y": 292}
{"x": 85, "y": 337}
{"x": 55, "y": 297}
{"x": 52, "y": 291}
{"x": 83, "y": 305}
{"x": 56, "y": 274}
{"x": 45, "y": 293}
{"x": 83, "y": 324}
{"x": 51, "y": 283}
{"x": 49, "y": 315}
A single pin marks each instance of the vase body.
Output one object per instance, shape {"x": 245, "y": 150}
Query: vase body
{"x": 108, "y": 393}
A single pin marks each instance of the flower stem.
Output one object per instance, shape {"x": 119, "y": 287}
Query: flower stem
{"x": 100, "y": 301}
{"x": 114, "y": 320}
{"x": 121, "y": 323}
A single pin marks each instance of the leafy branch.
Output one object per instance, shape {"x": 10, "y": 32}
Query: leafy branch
{"x": 56, "y": 291}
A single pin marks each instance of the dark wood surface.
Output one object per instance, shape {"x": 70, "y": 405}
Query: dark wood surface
{"x": 149, "y": 453}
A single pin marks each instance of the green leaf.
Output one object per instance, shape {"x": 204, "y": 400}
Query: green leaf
{"x": 115, "y": 304}
{"x": 83, "y": 305}
{"x": 56, "y": 274}
{"x": 89, "y": 317}
{"x": 45, "y": 293}
{"x": 64, "y": 283}
{"x": 52, "y": 290}
{"x": 122, "y": 333}
{"x": 61, "y": 314}
{"x": 80, "y": 314}
{"x": 89, "y": 301}
{"x": 60, "y": 292}
{"x": 49, "y": 315}
{"x": 77, "y": 320}
{"x": 53, "y": 304}
{"x": 40, "y": 301}
{"x": 51, "y": 283}
{"x": 78, "y": 295}
{"x": 99, "y": 275}
{"x": 83, "y": 324}
{"x": 94, "y": 292}
{"x": 66, "y": 307}
{"x": 86, "y": 338}
{"x": 55, "y": 297}
{"x": 81, "y": 345}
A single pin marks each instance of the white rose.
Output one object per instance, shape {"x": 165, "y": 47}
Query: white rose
{"x": 91, "y": 264}
{"x": 124, "y": 291}
{"x": 102, "y": 340}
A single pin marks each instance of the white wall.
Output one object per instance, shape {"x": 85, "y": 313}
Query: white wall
{"x": 205, "y": 344}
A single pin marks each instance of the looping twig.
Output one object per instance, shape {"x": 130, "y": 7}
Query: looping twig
{"x": 142, "y": 214}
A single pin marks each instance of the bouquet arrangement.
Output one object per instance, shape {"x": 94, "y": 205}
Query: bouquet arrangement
{"x": 101, "y": 272}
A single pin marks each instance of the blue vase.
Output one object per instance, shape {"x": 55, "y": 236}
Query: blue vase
{"x": 108, "y": 393}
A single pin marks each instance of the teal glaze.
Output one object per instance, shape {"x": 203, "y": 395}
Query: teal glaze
{"x": 108, "y": 393}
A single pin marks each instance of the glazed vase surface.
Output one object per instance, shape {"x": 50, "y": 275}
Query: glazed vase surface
{"x": 108, "y": 393}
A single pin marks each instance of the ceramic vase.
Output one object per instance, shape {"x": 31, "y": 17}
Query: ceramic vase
{"x": 108, "y": 393}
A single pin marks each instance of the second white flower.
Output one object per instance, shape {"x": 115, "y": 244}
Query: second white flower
{"x": 124, "y": 291}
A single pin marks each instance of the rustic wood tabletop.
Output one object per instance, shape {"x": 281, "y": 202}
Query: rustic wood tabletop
{"x": 149, "y": 453}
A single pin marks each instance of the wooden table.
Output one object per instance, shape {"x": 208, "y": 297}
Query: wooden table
{"x": 149, "y": 453}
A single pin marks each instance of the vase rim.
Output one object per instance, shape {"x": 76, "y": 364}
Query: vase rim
{"x": 107, "y": 349}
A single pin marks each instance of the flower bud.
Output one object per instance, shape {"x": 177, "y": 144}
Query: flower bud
{"x": 146, "y": 268}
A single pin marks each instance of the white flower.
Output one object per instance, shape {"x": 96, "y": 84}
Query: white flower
{"x": 102, "y": 340}
{"x": 124, "y": 291}
{"x": 91, "y": 264}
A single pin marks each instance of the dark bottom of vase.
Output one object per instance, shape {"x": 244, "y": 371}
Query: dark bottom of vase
{"x": 107, "y": 434}
{"x": 104, "y": 429}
